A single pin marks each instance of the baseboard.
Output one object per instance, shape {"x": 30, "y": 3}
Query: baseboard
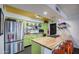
{"x": 27, "y": 46}
{"x": 22, "y": 50}
{"x": 19, "y": 52}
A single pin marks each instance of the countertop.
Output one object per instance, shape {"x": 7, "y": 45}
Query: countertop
{"x": 48, "y": 42}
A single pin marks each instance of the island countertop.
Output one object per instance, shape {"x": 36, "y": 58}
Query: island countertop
{"x": 48, "y": 42}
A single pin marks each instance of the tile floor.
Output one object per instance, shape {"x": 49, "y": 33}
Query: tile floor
{"x": 27, "y": 50}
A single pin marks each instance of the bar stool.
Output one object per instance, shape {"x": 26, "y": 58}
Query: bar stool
{"x": 59, "y": 51}
{"x": 69, "y": 47}
{"x": 65, "y": 48}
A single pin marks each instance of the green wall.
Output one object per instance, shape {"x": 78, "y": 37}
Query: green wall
{"x": 44, "y": 27}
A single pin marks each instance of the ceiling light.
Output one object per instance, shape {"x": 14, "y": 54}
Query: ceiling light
{"x": 37, "y": 16}
{"x": 45, "y": 13}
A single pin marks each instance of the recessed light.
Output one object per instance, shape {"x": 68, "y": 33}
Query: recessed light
{"x": 37, "y": 16}
{"x": 45, "y": 12}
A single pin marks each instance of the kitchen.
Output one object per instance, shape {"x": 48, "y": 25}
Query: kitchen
{"x": 37, "y": 26}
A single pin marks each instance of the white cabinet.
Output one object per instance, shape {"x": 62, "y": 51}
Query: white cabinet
{"x": 45, "y": 50}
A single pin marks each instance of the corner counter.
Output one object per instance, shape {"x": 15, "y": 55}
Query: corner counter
{"x": 49, "y": 43}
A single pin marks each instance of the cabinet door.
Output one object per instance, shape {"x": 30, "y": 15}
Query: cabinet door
{"x": 36, "y": 49}
{"x": 27, "y": 40}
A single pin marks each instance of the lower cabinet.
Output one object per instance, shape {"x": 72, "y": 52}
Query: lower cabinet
{"x": 45, "y": 50}
{"x": 27, "y": 40}
{"x": 36, "y": 48}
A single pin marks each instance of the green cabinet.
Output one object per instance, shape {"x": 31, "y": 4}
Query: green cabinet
{"x": 27, "y": 40}
{"x": 36, "y": 49}
{"x": 29, "y": 37}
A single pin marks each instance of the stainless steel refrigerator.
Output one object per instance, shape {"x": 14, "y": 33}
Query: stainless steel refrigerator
{"x": 13, "y": 36}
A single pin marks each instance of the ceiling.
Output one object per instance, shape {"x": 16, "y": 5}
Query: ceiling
{"x": 71, "y": 10}
{"x": 38, "y": 9}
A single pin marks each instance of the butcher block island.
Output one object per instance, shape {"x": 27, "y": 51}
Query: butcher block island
{"x": 47, "y": 44}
